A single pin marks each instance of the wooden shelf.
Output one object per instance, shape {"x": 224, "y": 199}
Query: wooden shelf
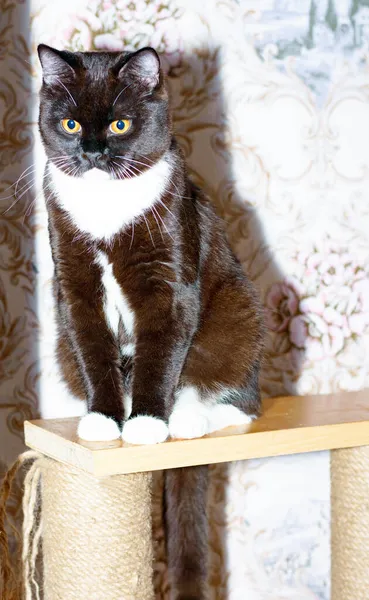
{"x": 289, "y": 425}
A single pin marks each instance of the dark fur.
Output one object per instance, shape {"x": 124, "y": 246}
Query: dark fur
{"x": 198, "y": 320}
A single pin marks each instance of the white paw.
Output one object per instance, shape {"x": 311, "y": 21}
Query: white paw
{"x": 226, "y": 415}
{"x": 187, "y": 423}
{"x": 95, "y": 427}
{"x": 145, "y": 430}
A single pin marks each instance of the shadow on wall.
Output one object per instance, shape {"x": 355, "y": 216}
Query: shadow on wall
{"x": 201, "y": 127}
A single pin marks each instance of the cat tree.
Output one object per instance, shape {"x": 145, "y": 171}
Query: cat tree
{"x": 95, "y": 512}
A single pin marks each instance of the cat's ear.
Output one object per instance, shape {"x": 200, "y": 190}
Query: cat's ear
{"x": 56, "y": 64}
{"x": 143, "y": 67}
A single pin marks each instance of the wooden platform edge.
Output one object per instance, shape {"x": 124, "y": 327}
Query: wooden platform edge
{"x": 208, "y": 450}
{"x": 54, "y": 446}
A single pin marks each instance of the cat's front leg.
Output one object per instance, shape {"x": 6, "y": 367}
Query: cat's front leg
{"x": 161, "y": 347}
{"x": 98, "y": 356}
{"x": 97, "y": 353}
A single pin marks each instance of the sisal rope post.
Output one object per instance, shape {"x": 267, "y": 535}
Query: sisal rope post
{"x": 96, "y": 535}
{"x": 11, "y": 580}
{"x": 350, "y": 523}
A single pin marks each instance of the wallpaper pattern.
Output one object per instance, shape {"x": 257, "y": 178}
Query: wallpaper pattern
{"x": 270, "y": 102}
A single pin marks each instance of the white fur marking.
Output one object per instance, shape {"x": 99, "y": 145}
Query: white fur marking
{"x": 95, "y": 427}
{"x": 145, "y": 430}
{"x": 190, "y": 415}
{"x": 127, "y": 403}
{"x": 226, "y": 415}
{"x": 101, "y": 206}
{"x": 194, "y": 417}
{"x": 128, "y": 349}
{"x": 115, "y": 304}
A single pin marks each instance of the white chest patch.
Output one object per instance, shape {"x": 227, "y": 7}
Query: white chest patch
{"x": 115, "y": 302}
{"x": 101, "y": 206}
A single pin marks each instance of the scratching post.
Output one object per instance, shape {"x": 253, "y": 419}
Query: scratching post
{"x": 94, "y": 517}
{"x": 350, "y": 523}
{"x": 96, "y": 535}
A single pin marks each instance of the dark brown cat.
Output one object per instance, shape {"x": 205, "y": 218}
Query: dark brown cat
{"x": 159, "y": 329}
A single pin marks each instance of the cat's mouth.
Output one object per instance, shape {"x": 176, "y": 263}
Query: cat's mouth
{"x": 106, "y": 167}
{"x": 76, "y": 169}
{"x": 100, "y": 167}
{"x": 94, "y": 160}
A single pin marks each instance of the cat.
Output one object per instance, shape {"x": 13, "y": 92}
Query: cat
{"x": 158, "y": 328}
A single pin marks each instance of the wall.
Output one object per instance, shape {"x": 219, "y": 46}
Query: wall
{"x": 270, "y": 101}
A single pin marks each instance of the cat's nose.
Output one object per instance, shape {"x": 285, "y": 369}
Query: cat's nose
{"x": 94, "y": 158}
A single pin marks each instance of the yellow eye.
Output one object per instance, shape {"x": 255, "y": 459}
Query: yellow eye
{"x": 71, "y": 126}
{"x": 120, "y": 126}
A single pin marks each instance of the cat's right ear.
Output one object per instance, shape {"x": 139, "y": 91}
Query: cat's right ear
{"x": 142, "y": 67}
{"x": 55, "y": 64}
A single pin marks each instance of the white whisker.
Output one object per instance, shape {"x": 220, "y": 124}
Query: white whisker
{"x": 165, "y": 227}
{"x": 129, "y": 169}
{"x": 133, "y": 234}
{"x": 19, "y": 197}
{"x": 16, "y": 193}
{"x": 121, "y": 92}
{"x": 171, "y": 182}
{"x": 166, "y": 208}
{"x": 148, "y": 229}
{"x": 24, "y": 174}
{"x": 138, "y": 162}
{"x": 24, "y": 191}
{"x": 156, "y": 216}
{"x": 149, "y": 159}
{"x": 121, "y": 169}
{"x": 68, "y": 92}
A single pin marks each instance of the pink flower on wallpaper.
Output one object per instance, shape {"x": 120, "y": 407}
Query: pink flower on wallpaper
{"x": 298, "y": 331}
{"x": 120, "y": 25}
{"x": 108, "y": 41}
{"x": 358, "y": 322}
{"x": 312, "y": 305}
{"x": 281, "y": 304}
{"x": 168, "y": 42}
{"x": 361, "y": 288}
{"x": 331, "y": 307}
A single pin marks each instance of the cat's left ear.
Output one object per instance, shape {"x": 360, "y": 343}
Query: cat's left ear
{"x": 143, "y": 67}
{"x": 56, "y": 64}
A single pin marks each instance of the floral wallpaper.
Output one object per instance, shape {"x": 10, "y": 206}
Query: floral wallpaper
{"x": 270, "y": 104}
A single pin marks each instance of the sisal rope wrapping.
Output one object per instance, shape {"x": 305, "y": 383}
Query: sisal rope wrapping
{"x": 12, "y": 585}
{"x": 96, "y": 535}
{"x": 350, "y": 523}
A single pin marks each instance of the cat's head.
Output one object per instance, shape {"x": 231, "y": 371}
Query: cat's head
{"x": 103, "y": 110}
